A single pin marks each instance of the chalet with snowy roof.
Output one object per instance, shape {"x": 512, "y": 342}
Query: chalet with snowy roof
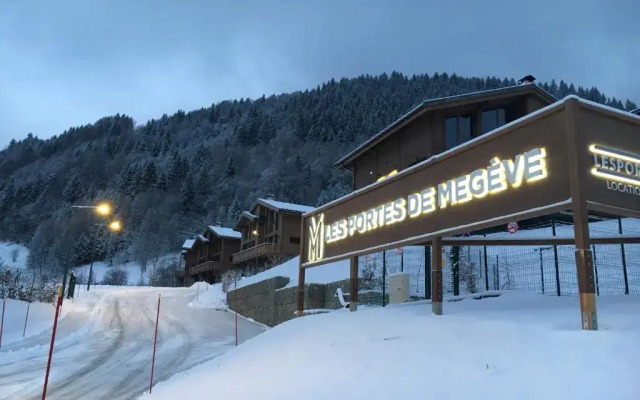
{"x": 209, "y": 255}
{"x": 438, "y": 125}
{"x": 270, "y": 232}
{"x": 636, "y": 111}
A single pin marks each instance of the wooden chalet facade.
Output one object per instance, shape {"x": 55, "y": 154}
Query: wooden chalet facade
{"x": 270, "y": 233}
{"x": 209, "y": 255}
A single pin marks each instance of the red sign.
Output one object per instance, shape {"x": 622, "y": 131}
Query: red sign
{"x": 512, "y": 227}
{"x": 399, "y": 250}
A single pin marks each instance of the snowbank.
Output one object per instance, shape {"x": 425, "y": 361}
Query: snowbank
{"x": 6, "y": 255}
{"x": 40, "y": 319}
{"x": 209, "y": 296}
{"x": 327, "y": 273}
{"x": 516, "y": 346}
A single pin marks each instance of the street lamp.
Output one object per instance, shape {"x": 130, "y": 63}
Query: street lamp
{"x": 103, "y": 209}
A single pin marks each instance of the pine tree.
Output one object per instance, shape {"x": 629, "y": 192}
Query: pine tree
{"x": 233, "y": 212}
{"x": 73, "y": 189}
{"x": 187, "y": 195}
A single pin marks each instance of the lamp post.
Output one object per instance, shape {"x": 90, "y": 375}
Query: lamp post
{"x": 103, "y": 209}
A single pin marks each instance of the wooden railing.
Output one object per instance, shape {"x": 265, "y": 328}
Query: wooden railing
{"x": 264, "y": 249}
{"x": 205, "y": 266}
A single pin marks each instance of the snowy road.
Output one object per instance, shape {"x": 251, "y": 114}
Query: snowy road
{"x": 105, "y": 341}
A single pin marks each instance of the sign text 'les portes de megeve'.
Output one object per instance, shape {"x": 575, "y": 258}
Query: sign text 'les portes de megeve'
{"x": 499, "y": 176}
{"x": 620, "y": 168}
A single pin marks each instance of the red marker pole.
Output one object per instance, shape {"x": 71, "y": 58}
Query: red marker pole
{"x": 53, "y": 338}
{"x": 155, "y": 341}
{"x": 235, "y": 304}
{"x": 4, "y": 301}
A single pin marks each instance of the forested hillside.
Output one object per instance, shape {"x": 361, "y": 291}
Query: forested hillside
{"x": 171, "y": 176}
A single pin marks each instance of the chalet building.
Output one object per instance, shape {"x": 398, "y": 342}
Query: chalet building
{"x": 209, "y": 255}
{"x": 270, "y": 233}
{"x": 438, "y": 125}
{"x": 636, "y": 111}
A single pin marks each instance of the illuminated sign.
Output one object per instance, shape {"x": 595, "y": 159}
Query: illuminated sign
{"x": 498, "y": 176}
{"x": 620, "y": 168}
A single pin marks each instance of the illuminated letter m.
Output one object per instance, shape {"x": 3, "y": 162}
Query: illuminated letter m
{"x": 316, "y": 239}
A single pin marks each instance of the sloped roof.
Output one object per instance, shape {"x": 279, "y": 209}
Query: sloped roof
{"x": 442, "y": 102}
{"x": 282, "y": 206}
{"x": 636, "y": 111}
{"x": 225, "y": 232}
{"x": 188, "y": 244}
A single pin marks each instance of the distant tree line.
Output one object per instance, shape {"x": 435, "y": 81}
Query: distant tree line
{"x": 172, "y": 176}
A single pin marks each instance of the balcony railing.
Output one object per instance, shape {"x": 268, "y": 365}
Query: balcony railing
{"x": 264, "y": 249}
{"x": 204, "y": 267}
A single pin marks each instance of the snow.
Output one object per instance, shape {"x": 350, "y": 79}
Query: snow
{"x": 6, "y": 256}
{"x": 40, "y": 319}
{"x": 105, "y": 339}
{"x": 209, "y": 296}
{"x": 328, "y": 273}
{"x": 298, "y": 208}
{"x": 516, "y": 346}
{"x": 225, "y": 232}
{"x": 188, "y": 244}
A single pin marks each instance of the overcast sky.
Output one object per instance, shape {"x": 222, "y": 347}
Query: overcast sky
{"x": 67, "y": 63}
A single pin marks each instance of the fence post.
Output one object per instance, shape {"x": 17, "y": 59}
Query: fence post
{"x": 496, "y": 275}
{"x": 624, "y": 260}
{"x": 427, "y": 272}
{"x": 384, "y": 276}
{"x": 155, "y": 341}
{"x": 541, "y": 270}
{"x": 555, "y": 258}
{"x": 455, "y": 269}
{"x": 4, "y": 301}
{"x": 595, "y": 268}
{"x": 486, "y": 270}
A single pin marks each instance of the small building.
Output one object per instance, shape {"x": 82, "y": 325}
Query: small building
{"x": 209, "y": 255}
{"x": 270, "y": 233}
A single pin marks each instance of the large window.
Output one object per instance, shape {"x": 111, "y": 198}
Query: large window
{"x": 457, "y": 130}
{"x": 492, "y": 119}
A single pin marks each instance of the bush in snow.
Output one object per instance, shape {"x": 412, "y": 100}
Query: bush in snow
{"x": 228, "y": 278}
{"x": 26, "y": 286}
{"x": 115, "y": 277}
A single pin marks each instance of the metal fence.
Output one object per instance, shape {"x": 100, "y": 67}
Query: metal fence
{"x": 548, "y": 270}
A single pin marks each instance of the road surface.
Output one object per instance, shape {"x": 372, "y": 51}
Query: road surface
{"x": 105, "y": 341}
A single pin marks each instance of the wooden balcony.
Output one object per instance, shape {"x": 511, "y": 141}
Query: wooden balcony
{"x": 204, "y": 267}
{"x": 261, "y": 250}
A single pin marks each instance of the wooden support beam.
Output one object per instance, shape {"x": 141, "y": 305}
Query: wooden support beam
{"x": 353, "y": 296}
{"x": 436, "y": 276}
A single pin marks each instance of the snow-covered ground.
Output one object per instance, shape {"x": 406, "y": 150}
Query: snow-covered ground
{"x": 516, "y": 346}
{"x": 327, "y": 273}
{"x": 135, "y": 276}
{"x": 40, "y": 319}
{"x": 8, "y": 251}
{"x": 105, "y": 341}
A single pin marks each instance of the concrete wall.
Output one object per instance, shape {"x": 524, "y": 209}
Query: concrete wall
{"x": 270, "y": 303}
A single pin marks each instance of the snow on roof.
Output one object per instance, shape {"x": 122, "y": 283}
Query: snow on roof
{"x": 282, "y": 206}
{"x": 202, "y": 238}
{"x": 225, "y": 232}
{"x": 249, "y": 215}
{"x": 188, "y": 243}
{"x": 636, "y": 111}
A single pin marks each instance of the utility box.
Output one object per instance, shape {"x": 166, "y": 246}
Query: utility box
{"x": 398, "y": 288}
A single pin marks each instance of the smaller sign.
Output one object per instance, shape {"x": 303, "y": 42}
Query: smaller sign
{"x": 399, "y": 250}
{"x": 512, "y": 227}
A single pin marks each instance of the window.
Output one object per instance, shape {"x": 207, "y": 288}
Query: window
{"x": 294, "y": 240}
{"x": 492, "y": 119}
{"x": 457, "y": 130}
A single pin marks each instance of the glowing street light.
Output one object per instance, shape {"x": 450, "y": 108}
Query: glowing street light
{"x": 115, "y": 226}
{"x": 103, "y": 209}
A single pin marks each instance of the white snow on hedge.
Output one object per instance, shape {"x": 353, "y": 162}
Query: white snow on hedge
{"x": 327, "y": 273}
{"x": 517, "y": 346}
{"x": 7, "y": 251}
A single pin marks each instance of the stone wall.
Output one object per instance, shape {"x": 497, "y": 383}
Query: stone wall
{"x": 271, "y": 302}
